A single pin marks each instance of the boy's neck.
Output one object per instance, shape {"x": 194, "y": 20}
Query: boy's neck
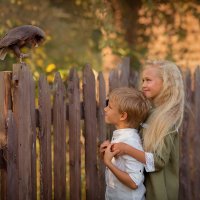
{"x": 123, "y": 126}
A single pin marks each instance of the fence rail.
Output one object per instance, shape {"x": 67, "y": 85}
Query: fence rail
{"x": 60, "y": 136}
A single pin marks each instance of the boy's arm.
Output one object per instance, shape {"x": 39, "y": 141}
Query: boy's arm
{"x": 124, "y": 148}
{"x": 122, "y": 176}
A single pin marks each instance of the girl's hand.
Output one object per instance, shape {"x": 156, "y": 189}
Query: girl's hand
{"x": 103, "y": 147}
{"x": 108, "y": 155}
{"x": 120, "y": 148}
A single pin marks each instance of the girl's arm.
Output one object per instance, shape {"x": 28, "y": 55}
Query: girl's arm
{"x": 122, "y": 176}
{"x": 152, "y": 161}
{"x": 123, "y": 148}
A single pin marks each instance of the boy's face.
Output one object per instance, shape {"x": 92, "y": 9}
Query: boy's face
{"x": 112, "y": 115}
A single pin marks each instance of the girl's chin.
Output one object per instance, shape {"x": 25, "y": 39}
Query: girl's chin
{"x": 147, "y": 95}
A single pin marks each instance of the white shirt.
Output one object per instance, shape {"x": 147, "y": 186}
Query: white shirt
{"x": 149, "y": 167}
{"x": 115, "y": 190}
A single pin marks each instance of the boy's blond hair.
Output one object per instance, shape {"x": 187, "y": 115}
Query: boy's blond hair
{"x": 133, "y": 102}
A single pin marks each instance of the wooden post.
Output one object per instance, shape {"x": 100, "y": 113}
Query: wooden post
{"x": 22, "y": 114}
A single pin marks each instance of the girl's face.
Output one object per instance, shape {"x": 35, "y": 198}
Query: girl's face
{"x": 112, "y": 115}
{"x": 151, "y": 83}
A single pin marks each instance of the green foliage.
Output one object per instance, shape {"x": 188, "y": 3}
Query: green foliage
{"x": 72, "y": 33}
{"x": 78, "y": 30}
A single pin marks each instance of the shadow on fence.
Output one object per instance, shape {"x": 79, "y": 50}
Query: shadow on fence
{"x": 65, "y": 115}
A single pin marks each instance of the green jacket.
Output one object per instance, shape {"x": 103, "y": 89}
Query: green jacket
{"x": 163, "y": 184}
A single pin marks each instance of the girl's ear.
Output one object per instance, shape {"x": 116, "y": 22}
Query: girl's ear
{"x": 123, "y": 116}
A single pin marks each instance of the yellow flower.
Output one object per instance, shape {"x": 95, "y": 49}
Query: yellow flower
{"x": 50, "y": 67}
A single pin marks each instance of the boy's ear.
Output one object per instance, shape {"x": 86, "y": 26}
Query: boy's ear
{"x": 124, "y": 116}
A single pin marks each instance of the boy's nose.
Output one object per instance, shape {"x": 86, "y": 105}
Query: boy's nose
{"x": 144, "y": 84}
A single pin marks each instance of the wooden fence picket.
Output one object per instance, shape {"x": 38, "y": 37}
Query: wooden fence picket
{"x": 102, "y": 134}
{"x": 33, "y": 141}
{"x": 12, "y": 155}
{"x": 101, "y": 105}
{"x": 185, "y": 188}
{"x": 5, "y": 105}
{"x": 114, "y": 79}
{"x": 74, "y": 116}
{"x": 124, "y": 68}
{"x": 90, "y": 133}
{"x": 197, "y": 135}
{"x": 45, "y": 139}
{"x": 59, "y": 126}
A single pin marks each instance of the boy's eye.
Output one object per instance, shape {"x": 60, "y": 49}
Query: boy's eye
{"x": 147, "y": 79}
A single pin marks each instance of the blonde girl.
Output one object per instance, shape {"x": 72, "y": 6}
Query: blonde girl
{"x": 162, "y": 84}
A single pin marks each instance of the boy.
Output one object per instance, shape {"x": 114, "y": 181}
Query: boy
{"x": 126, "y": 110}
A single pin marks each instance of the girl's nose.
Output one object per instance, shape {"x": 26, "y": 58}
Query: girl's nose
{"x": 105, "y": 109}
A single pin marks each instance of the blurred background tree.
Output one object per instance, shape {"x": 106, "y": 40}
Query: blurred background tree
{"x": 101, "y": 32}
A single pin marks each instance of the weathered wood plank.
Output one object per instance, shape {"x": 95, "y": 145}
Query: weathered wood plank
{"x": 74, "y": 135}
{"x": 101, "y": 133}
{"x": 5, "y": 104}
{"x": 185, "y": 186}
{"x": 101, "y": 105}
{"x": 89, "y": 99}
{"x": 45, "y": 139}
{"x": 114, "y": 82}
{"x": 119, "y": 77}
{"x": 134, "y": 79}
{"x": 33, "y": 134}
{"x": 124, "y": 68}
{"x": 197, "y": 135}
{"x": 114, "y": 79}
{"x": 59, "y": 125}
{"x": 12, "y": 165}
{"x": 22, "y": 117}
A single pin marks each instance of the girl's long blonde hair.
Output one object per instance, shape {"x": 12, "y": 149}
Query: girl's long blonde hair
{"x": 168, "y": 108}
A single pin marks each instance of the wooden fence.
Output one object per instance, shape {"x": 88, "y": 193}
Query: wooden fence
{"x": 53, "y": 135}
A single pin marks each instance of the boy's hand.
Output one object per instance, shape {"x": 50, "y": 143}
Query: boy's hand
{"x": 108, "y": 155}
{"x": 120, "y": 148}
{"x": 103, "y": 147}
